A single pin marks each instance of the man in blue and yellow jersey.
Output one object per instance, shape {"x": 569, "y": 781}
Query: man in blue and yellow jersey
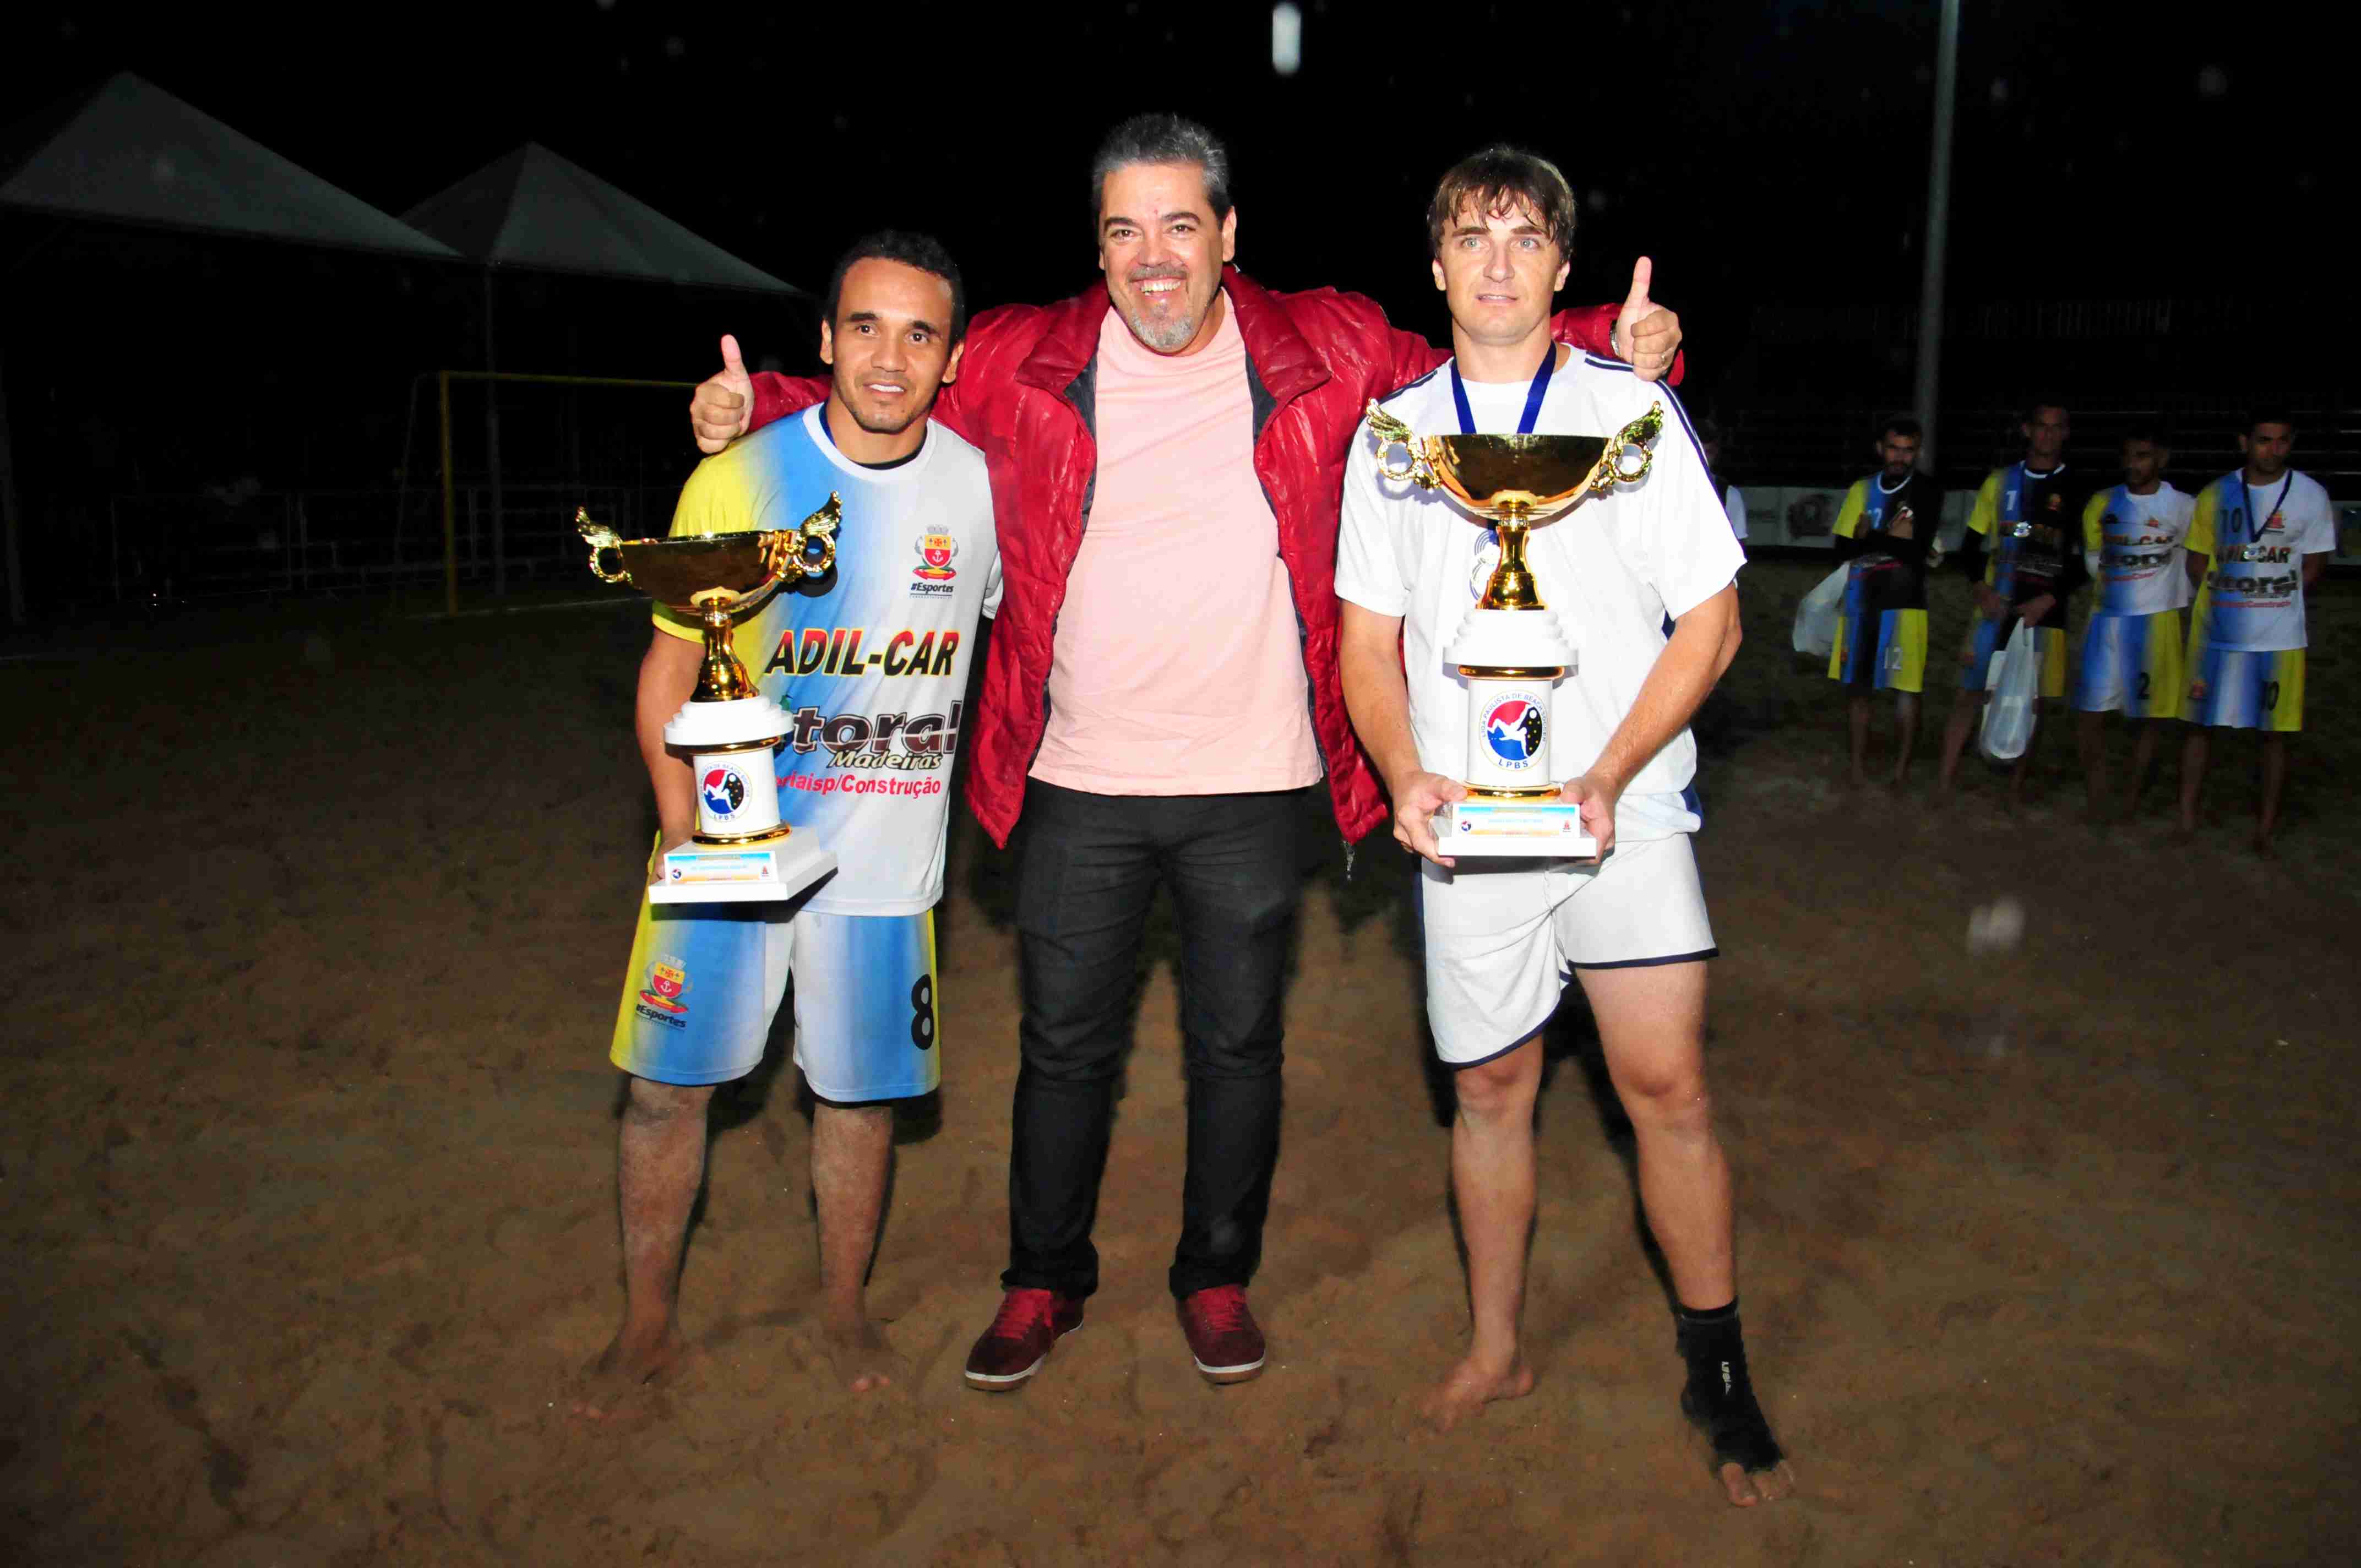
{"x": 2265, "y": 532}
{"x": 871, "y": 660}
{"x": 2023, "y": 550}
{"x": 2132, "y": 537}
{"x": 1886, "y": 527}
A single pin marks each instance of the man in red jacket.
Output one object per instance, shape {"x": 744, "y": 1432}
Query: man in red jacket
{"x": 1161, "y": 689}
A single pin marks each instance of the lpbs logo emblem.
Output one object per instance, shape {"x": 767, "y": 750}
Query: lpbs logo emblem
{"x": 724, "y": 791}
{"x": 1514, "y": 730}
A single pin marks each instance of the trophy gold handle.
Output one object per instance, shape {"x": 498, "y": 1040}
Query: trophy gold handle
{"x": 788, "y": 551}
{"x": 1635, "y": 440}
{"x": 603, "y": 543}
{"x": 1417, "y": 463}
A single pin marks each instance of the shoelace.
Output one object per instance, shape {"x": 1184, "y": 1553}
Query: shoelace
{"x": 1021, "y": 1312}
{"x": 1222, "y": 1309}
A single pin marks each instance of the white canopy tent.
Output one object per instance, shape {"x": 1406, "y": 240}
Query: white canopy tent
{"x": 532, "y": 209}
{"x": 130, "y": 152}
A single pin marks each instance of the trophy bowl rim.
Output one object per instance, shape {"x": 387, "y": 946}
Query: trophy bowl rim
{"x": 676, "y": 551}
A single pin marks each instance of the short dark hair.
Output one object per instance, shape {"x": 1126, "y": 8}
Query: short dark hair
{"x": 2149, "y": 431}
{"x": 923, "y": 251}
{"x": 2267, "y": 413}
{"x": 1499, "y": 178}
{"x": 1903, "y": 425}
{"x": 2044, "y": 402}
{"x": 1162, "y": 138}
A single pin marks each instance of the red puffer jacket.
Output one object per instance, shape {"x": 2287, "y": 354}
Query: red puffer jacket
{"x": 1025, "y": 396}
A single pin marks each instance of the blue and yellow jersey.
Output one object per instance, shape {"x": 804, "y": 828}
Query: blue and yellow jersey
{"x": 2254, "y": 540}
{"x": 1871, "y": 512}
{"x": 871, "y": 659}
{"x": 2031, "y": 534}
{"x": 2135, "y": 543}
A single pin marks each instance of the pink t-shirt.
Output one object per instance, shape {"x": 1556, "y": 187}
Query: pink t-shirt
{"x": 1178, "y": 669}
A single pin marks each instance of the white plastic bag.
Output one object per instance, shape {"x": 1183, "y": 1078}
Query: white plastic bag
{"x": 1815, "y": 618}
{"x": 2013, "y": 707}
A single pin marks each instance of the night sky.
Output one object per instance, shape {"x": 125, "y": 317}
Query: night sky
{"x": 1770, "y": 158}
{"x": 1751, "y": 147}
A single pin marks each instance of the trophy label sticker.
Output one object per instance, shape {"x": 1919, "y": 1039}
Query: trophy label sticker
{"x": 934, "y": 570}
{"x": 1516, "y": 730}
{"x": 736, "y": 868}
{"x": 724, "y": 792}
{"x": 661, "y": 999}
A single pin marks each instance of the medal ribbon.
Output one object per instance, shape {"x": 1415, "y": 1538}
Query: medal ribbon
{"x": 1534, "y": 396}
{"x": 2255, "y": 519}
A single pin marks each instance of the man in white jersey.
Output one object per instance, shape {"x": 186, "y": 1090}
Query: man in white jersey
{"x": 871, "y": 661}
{"x": 2133, "y": 539}
{"x": 2267, "y": 532}
{"x": 1631, "y": 924}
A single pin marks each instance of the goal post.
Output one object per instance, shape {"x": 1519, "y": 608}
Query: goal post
{"x": 450, "y": 482}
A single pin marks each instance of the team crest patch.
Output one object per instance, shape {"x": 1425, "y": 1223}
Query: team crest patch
{"x": 935, "y": 553}
{"x": 665, "y": 996}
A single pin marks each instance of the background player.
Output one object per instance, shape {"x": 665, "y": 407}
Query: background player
{"x": 1886, "y": 527}
{"x": 2023, "y": 551}
{"x": 2269, "y": 531}
{"x": 706, "y": 980}
{"x": 1633, "y": 924}
{"x": 2133, "y": 538}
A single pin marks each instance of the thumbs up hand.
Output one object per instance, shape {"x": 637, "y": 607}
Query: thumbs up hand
{"x": 723, "y": 402}
{"x": 1646, "y": 334}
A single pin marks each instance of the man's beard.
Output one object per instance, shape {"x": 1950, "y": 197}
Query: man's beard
{"x": 1165, "y": 334}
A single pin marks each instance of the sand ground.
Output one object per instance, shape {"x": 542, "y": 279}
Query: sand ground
{"x": 319, "y": 917}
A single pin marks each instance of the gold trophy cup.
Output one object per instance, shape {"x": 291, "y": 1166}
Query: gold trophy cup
{"x": 1511, "y": 649}
{"x": 728, "y": 728}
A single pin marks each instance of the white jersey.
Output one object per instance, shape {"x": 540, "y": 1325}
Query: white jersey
{"x": 871, "y": 660}
{"x": 2133, "y": 547}
{"x": 2256, "y": 538}
{"x": 1613, "y": 569}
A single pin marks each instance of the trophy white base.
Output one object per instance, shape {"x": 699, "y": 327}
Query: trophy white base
{"x": 740, "y": 873}
{"x": 1475, "y": 828}
{"x": 1518, "y": 639}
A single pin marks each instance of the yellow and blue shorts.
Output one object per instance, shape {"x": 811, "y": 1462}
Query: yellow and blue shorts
{"x": 707, "y": 980}
{"x": 1985, "y": 644}
{"x": 2230, "y": 689}
{"x": 1881, "y": 650}
{"x": 2131, "y": 663}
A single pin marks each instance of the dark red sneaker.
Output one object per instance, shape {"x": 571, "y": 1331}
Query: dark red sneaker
{"x": 1019, "y": 1340}
{"x": 1223, "y": 1338}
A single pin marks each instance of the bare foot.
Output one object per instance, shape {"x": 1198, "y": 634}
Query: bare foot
{"x": 859, "y": 1356}
{"x": 616, "y": 1384}
{"x": 2264, "y": 848}
{"x": 1471, "y": 1385}
{"x": 1746, "y": 1487}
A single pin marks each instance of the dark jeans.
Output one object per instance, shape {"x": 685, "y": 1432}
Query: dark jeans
{"x": 1090, "y": 866}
